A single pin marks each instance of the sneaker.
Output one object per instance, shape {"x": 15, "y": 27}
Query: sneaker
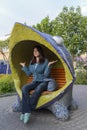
{"x": 22, "y": 117}
{"x": 26, "y": 117}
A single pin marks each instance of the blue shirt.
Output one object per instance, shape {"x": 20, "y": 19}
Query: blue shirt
{"x": 39, "y": 73}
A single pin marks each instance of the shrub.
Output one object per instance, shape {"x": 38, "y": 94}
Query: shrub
{"x": 81, "y": 70}
{"x": 6, "y": 84}
{"x": 81, "y": 77}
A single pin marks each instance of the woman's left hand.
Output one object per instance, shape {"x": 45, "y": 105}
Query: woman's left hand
{"x": 52, "y": 62}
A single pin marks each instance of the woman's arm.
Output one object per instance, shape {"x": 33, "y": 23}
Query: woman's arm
{"x": 48, "y": 67}
{"x": 25, "y": 69}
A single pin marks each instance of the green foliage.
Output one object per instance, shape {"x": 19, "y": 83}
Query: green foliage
{"x": 81, "y": 70}
{"x": 4, "y": 44}
{"x": 81, "y": 77}
{"x": 6, "y": 84}
{"x": 45, "y": 25}
{"x": 69, "y": 24}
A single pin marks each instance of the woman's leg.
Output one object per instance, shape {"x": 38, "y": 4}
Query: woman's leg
{"x": 26, "y": 106}
{"x": 35, "y": 96}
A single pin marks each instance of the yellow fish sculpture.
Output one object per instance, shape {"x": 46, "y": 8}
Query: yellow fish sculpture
{"x": 23, "y": 39}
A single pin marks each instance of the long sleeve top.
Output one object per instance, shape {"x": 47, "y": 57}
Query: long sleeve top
{"x": 39, "y": 71}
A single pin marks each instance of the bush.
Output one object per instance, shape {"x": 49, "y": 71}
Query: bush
{"x": 6, "y": 84}
{"x": 81, "y": 70}
{"x": 81, "y": 77}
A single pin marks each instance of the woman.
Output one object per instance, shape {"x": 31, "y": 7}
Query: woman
{"x": 40, "y": 69}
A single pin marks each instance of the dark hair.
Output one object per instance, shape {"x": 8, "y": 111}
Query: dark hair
{"x": 40, "y": 50}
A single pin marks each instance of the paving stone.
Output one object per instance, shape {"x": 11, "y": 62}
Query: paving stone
{"x": 43, "y": 119}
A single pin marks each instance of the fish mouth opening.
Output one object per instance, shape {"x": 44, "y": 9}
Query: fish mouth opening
{"x": 22, "y": 52}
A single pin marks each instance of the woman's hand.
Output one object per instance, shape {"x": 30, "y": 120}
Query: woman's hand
{"x": 22, "y": 64}
{"x": 52, "y": 62}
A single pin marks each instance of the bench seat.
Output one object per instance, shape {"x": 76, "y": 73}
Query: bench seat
{"x": 56, "y": 73}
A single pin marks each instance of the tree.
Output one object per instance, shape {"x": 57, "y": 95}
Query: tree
{"x": 4, "y": 45}
{"x": 70, "y": 24}
{"x": 44, "y": 26}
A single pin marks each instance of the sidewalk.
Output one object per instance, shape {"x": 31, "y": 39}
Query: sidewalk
{"x": 43, "y": 119}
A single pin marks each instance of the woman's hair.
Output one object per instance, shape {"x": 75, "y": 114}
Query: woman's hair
{"x": 40, "y": 50}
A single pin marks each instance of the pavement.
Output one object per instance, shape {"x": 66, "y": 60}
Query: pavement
{"x": 44, "y": 119}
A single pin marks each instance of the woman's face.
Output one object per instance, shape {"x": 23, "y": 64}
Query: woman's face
{"x": 36, "y": 52}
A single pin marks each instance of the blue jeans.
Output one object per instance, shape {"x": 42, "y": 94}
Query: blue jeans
{"x": 29, "y": 102}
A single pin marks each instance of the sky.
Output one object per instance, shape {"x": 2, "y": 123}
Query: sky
{"x": 33, "y": 11}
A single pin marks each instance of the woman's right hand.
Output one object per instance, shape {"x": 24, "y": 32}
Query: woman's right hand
{"x": 22, "y": 64}
{"x": 52, "y": 62}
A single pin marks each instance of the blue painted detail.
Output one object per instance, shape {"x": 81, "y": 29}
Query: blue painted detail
{"x": 3, "y": 68}
{"x": 60, "y": 111}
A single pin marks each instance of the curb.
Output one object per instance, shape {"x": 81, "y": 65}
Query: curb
{"x": 8, "y": 94}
